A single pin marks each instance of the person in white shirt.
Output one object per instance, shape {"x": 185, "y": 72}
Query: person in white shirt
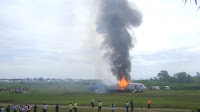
{"x": 20, "y": 107}
{"x": 127, "y": 106}
{"x": 1, "y": 110}
{"x": 44, "y": 108}
{"x": 26, "y": 108}
{"x": 15, "y": 108}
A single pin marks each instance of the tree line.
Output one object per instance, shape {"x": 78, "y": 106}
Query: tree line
{"x": 179, "y": 81}
{"x": 181, "y": 77}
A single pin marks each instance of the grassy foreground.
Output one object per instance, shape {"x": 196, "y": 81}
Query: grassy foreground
{"x": 160, "y": 99}
{"x": 64, "y": 93}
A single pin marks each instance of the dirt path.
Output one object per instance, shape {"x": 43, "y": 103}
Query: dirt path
{"x": 153, "y": 109}
{"x": 121, "y": 108}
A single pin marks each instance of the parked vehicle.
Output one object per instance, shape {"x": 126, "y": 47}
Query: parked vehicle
{"x": 155, "y": 88}
{"x": 166, "y": 88}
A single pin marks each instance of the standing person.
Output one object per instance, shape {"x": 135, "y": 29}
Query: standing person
{"x": 70, "y": 107}
{"x": 35, "y": 108}
{"x": 112, "y": 107}
{"x": 131, "y": 106}
{"x": 44, "y": 108}
{"x": 29, "y": 108}
{"x": 75, "y": 106}
{"x": 127, "y": 106}
{"x": 15, "y": 108}
{"x": 149, "y": 103}
{"x": 57, "y": 107}
{"x": 22, "y": 109}
{"x": 99, "y": 106}
{"x": 8, "y": 108}
{"x": 26, "y": 108}
{"x": 1, "y": 110}
{"x": 92, "y": 102}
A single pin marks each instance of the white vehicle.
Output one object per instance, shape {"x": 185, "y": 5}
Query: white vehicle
{"x": 155, "y": 88}
{"x": 166, "y": 88}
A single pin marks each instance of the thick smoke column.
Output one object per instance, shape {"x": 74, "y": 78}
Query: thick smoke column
{"x": 114, "y": 18}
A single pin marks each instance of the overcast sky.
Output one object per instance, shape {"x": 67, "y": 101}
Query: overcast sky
{"x": 58, "y": 39}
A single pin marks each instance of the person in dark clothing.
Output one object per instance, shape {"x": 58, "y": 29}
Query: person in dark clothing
{"x": 35, "y": 108}
{"x": 75, "y": 106}
{"x": 131, "y": 106}
{"x": 70, "y": 107}
{"x": 100, "y": 105}
{"x": 56, "y": 107}
{"x": 113, "y": 107}
{"x": 92, "y": 102}
{"x": 8, "y": 108}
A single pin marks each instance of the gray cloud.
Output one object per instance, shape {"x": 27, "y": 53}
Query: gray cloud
{"x": 115, "y": 16}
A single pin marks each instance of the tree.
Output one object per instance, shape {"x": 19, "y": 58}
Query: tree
{"x": 183, "y": 77}
{"x": 163, "y": 75}
{"x": 40, "y": 79}
{"x": 198, "y": 75}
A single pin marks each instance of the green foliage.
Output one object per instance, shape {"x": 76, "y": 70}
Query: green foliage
{"x": 181, "y": 77}
{"x": 174, "y": 86}
{"x": 163, "y": 75}
{"x": 180, "y": 81}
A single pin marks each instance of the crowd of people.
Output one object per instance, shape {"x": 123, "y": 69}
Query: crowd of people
{"x": 27, "y": 108}
{"x": 22, "y": 108}
{"x": 71, "y": 107}
{"x": 113, "y": 106}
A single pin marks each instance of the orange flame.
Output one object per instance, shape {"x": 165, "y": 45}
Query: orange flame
{"x": 123, "y": 83}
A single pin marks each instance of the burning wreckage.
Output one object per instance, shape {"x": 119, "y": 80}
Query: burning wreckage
{"x": 126, "y": 86}
{"x": 123, "y": 86}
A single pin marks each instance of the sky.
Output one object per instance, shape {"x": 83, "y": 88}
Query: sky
{"x": 58, "y": 39}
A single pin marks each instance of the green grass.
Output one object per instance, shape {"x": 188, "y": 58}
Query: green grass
{"x": 160, "y": 99}
{"x": 51, "y": 95}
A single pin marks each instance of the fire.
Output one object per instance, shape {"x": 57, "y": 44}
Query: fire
{"x": 123, "y": 83}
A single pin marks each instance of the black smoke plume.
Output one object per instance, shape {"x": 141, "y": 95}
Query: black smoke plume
{"x": 114, "y": 18}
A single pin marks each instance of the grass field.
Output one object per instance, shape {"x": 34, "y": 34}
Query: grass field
{"x": 175, "y": 99}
